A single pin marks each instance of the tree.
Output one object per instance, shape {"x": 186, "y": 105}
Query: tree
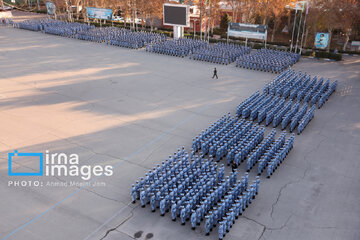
{"x": 224, "y": 22}
{"x": 264, "y": 9}
{"x": 151, "y": 12}
{"x": 249, "y": 10}
{"x": 235, "y": 6}
{"x": 277, "y": 10}
{"x": 349, "y": 13}
{"x": 329, "y": 17}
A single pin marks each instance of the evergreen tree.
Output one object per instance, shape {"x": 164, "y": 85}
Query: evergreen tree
{"x": 224, "y": 22}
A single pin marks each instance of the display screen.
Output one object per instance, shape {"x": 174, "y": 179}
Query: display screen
{"x": 175, "y": 15}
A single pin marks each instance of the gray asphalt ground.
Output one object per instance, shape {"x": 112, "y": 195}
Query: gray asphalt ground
{"x": 131, "y": 109}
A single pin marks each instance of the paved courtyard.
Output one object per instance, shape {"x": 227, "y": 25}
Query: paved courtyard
{"x": 131, "y": 109}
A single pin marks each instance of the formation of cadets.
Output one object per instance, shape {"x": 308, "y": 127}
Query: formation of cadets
{"x": 241, "y": 140}
{"x": 268, "y": 60}
{"x": 64, "y": 29}
{"x": 109, "y": 35}
{"x": 327, "y": 94}
{"x": 121, "y": 37}
{"x": 275, "y": 153}
{"x": 181, "y": 47}
{"x": 290, "y": 99}
{"x": 306, "y": 119}
{"x": 51, "y": 26}
{"x": 220, "y": 53}
{"x": 194, "y": 189}
{"x": 32, "y": 25}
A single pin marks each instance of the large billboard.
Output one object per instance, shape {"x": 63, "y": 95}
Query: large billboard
{"x": 50, "y": 7}
{"x": 5, "y": 14}
{"x": 244, "y": 30}
{"x": 99, "y": 13}
{"x": 176, "y": 15}
{"x": 321, "y": 40}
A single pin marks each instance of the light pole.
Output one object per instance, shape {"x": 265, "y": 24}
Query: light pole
{"x": 136, "y": 26}
{"x": 201, "y": 21}
{"x": 209, "y": 19}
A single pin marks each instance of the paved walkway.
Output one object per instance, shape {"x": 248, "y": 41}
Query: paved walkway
{"x": 131, "y": 109}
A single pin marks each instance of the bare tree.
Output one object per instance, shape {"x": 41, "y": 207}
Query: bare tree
{"x": 329, "y": 18}
{"x": 235, "y": 5}
{"x": 277, "y": 10}
{"x": 349, "y": 13}
{"x": 249, "y": 9}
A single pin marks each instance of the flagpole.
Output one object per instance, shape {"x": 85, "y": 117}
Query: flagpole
{"x": 209, "y": 20}
{"x": 201, "y": 22}
{"x": 297, "y": 36}
{"x": 294, "y": 25}
{"x": 206, "y": 20}
{"x": 302, "y": 36}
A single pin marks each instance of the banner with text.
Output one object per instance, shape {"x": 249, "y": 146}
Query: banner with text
{"x": 244, "y": 30}
{"x": 99, "y": 13}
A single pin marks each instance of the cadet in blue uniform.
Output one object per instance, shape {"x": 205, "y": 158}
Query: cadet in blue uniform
{"x": 142, "y": 198}
{"x": 173, "y": 211}
{"x": 153, "y": 202}
{"x": 133, "y": 193}
{"x": 193, "y": 220}
{"x": 221, "y": 230}
{"x": 198, "y": 215}
{"x": 183, "y": 215}
{"x": 257, "y": 182}
{"x": 207, "y": 225}
{"x": 158, "y": 198}
{"x": 162, "y": 206}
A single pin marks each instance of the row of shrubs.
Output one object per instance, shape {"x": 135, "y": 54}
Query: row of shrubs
{"x": 349, "y": 52}
{"x": 330, "y": 55}
{"x": 323, "y": 54}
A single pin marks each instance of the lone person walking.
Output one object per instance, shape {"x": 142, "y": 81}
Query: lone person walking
{"x": 215, "y": 74}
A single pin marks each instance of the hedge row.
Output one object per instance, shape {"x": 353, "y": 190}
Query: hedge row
{"x": 330, "y": 55}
